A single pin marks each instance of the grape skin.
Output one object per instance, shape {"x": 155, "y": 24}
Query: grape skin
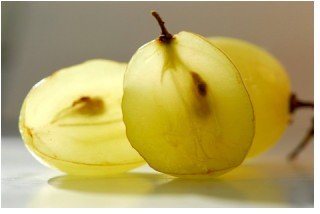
{"x": 268, "y": 86}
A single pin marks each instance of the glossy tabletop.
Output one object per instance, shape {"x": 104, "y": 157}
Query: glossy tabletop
{"x": 267, "y": 181}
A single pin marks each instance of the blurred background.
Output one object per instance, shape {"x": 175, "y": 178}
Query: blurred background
{"x": 39, "y": 38}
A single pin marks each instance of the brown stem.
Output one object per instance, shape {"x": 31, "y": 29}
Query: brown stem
{"x": 303, "y": 143}
{"x": 165, "y": 35}
{"x": 295, "y": 103}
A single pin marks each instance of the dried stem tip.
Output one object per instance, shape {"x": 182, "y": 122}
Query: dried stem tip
{"x": 165, "y": 35}
{"x": 303, "y": 143}
{"x": 295, "y": 103}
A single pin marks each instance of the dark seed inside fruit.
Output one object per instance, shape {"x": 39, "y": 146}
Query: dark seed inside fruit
{"x": 200, "y": 84}
{"x": 89, "y": 105}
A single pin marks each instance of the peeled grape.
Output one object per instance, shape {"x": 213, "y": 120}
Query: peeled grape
{"x": 185, "y": 107}
{"x": 268, "y": 86}
{"x": 72, "y": 120}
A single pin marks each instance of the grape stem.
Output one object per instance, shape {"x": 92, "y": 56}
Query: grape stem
{"x": 295, "y": 104}
{"x": 303, "y": 143}
{"x": 165, "y": 35}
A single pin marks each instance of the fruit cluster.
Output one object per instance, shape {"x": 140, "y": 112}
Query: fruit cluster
{"x": 185, "y": 104}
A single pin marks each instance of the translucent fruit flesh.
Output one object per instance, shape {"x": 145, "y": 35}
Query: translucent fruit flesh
{"x": 182, "y": 105}
{"x": 72, "y": 120}
{"x": 268, "y": 86}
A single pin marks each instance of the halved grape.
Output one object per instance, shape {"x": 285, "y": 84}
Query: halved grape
{"x": 185, "y": 107}
{"x": 72, "y": 120}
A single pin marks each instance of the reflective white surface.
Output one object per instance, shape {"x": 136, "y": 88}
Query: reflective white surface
{"x": 268, "y": 181}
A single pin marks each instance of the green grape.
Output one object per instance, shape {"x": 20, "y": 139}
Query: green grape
{"x": 72, "y": 120}
{"x": 268, "y": 86}
{"x": 185, "y": 107}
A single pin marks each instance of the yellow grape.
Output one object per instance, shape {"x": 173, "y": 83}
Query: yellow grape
{"x": 72, "y": 120}
{"x": 185, "y": 107}
{"x": 268, "y": 86}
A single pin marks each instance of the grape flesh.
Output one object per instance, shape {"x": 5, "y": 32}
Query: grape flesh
{"x": 185, "y": 107}
{"x": 269, "y": 88}
{"x": 72, "y": 120}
